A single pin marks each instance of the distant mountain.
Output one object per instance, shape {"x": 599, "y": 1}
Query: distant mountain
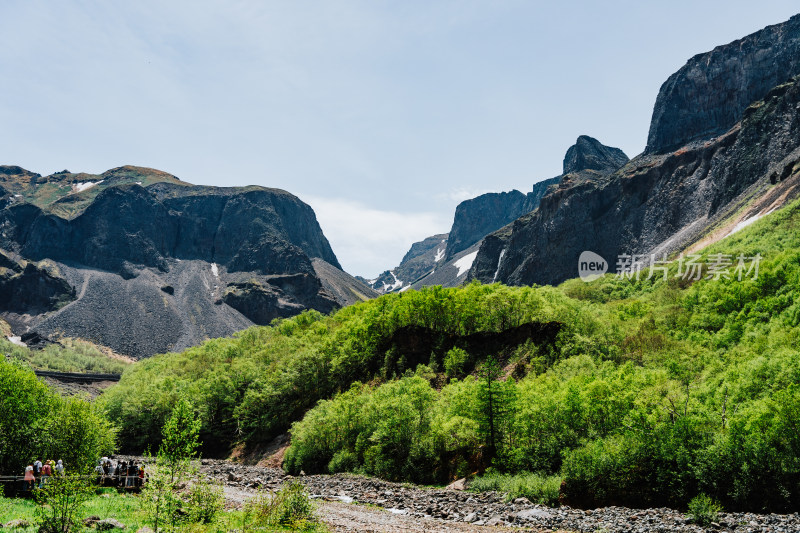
{"x": 142, "y": 262}
{"x": 423, "y": 257}
{"x": 474, "y": 219}
{"x": 723, "y": 149}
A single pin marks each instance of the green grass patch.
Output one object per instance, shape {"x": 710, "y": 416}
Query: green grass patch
{"x": 73, "y": 356}
{"x": 537, "y": 488}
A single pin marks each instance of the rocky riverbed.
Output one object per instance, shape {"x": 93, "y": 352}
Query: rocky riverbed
{"x": 434, "y": 506}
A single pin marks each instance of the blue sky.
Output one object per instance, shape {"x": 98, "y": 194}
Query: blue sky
{"x": 381, "y": 115}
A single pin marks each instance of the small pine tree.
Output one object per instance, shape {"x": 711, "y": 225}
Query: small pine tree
{"x": 495, "y": 404}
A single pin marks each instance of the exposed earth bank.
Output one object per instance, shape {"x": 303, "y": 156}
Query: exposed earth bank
{"x": 407, "y": 507}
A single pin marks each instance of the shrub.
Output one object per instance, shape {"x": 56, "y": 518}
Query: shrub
{"x": 455, "y": 361}
{"x": 290, "y": 506}
{"x": 204, "y": 500}
{"x": 537, "y": 488}
{"x": 703, "y": 510}
{"x": 343, "y": 461}
{"x": 61, "y": 503}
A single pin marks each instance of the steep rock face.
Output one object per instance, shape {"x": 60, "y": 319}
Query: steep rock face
{"x": 139, "y": 261}
{"x": 654, "y": 203}
{"x": 421, "y": 259}
{"x": 252, "y": 229}
{"x": 590, "y": 154}
{"x": 478, "y": 217}
{"x": 708, "y": 95}
{"x": 27, "y": 287}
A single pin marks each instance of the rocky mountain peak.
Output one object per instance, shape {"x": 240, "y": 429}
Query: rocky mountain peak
{"x": 709, "y": 94}
{"x": 590, "y": 154}
{"x": 15, "y": 177}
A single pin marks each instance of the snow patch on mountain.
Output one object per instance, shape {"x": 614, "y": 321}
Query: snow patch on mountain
{"x": 499, "y": 262}
{"x": 465, "y": 263}
{"x": 17, "y": 340}
{"x": 744, "y": 223}
{"x": 84, "y": 185}
{"x": 393, "y": 286}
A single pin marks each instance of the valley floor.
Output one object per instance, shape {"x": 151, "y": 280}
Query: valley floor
{"x": 358, "y": 504}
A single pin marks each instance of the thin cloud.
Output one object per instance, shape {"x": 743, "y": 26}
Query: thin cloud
{"x": 368, "y": 241}
{"x": 459, "y": 194}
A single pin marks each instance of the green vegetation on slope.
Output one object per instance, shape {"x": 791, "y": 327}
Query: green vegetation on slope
{"x": 645, "y": 392}
{"x": 36, "y": 422}
{"x": 71, "y": 355}
{"x": 251, "y": 387}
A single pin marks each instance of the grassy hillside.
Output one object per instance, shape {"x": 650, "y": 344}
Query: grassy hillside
{"x": 73, "y": 355}
{"x": 642, "y": 392}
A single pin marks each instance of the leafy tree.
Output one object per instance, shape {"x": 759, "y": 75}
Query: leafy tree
{"x": 160, "y": 498}
{"x": 179, "y": 441}
{"x": 179, "y": 444}
{"x": 25, "y": 403}
{"x": 35, "y": 421}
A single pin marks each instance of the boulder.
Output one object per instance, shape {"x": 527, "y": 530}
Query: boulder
{"x": 109, "y": 524}
{"x": 459, "y": 484}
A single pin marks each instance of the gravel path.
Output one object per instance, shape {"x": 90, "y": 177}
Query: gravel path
{"x": 393, "y": 507}
{"x": 356, "y": 518}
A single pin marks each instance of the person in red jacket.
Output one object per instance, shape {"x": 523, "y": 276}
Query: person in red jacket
{"x": 47, "y": 471}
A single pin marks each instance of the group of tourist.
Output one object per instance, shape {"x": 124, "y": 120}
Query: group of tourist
{"x": 38, "y": 472}
{"x": 128, "y": 474}
{"x": 124, "y": 474}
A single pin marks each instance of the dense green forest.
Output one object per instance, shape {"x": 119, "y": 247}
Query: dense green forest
{"x": 638, "y": 392}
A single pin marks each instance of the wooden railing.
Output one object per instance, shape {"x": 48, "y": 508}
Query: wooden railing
{"x": 16, "y": 486}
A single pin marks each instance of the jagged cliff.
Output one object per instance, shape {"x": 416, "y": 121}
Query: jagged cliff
{"x": 478, "y": 217}
{"x": 179, "y": 262}
{"x": 427, "y": 263}
{"x": 708, "y": 95}
{"x": 663, "y": 201}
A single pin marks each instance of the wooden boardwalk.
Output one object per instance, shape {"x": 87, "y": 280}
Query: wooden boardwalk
{"x": 77, "y": 377}
{"x": 15, "y": 487}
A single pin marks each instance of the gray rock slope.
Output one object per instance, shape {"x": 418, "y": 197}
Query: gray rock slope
{"x": 144, "y": 263}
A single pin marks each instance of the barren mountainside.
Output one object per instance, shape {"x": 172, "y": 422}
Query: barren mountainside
{"x": 188, "y": 262}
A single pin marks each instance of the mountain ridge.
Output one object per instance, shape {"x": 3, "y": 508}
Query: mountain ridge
{"x": 139, "y": 238}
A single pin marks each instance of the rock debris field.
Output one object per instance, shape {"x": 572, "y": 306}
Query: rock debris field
{"x": 436, "y": 509}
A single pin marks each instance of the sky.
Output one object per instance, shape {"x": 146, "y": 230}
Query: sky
{"x": 380, "y": 115}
